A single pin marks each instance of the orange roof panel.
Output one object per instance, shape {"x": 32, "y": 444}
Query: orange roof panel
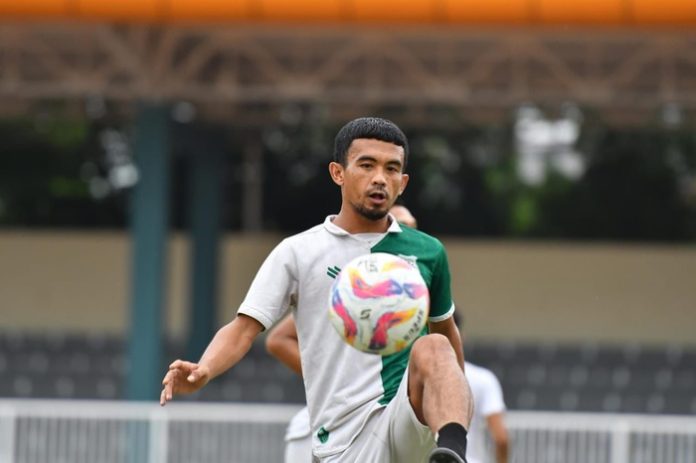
{"x": 34, "y": 8}
{"x": 121, "y": 10}
{"x": 489, "y": 11}
{"x": 519, "y": 12}
{"x": 391, "y": 11}
{"x": 664, "y": 11}
{"x": 207, "y": 10}
{"x": 297, "y": 10}
{"x": 589, "y": 12}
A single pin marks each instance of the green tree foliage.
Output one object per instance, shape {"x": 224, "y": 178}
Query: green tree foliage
{"x": 40, "y": 182}
{"x": 638, "y": 184}
{"x": 637, "y": 187}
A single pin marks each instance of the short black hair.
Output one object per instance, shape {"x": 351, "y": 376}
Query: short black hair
{"x": 374, "y": 128}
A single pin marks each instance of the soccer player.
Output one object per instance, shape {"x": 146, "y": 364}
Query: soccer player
{"x": 407, "y": 407}
{"x": 489, "y": 409}
{"x": 281, "y": 342}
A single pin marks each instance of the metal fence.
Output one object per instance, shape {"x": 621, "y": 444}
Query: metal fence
{"x": 601, "y": 438}
{"x": 37, "y": 431}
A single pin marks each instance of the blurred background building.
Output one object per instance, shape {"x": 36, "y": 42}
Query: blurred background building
{"x": 153, "y": 152}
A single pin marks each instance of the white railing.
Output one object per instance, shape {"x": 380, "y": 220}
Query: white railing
{"x": 38, "y": 431}
{"x": 602, "y": 438}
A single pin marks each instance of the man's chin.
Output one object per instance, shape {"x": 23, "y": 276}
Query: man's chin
{"x": 372, "y": 214}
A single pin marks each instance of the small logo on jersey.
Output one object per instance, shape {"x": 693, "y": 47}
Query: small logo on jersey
{"x": 333, "y": 271}
{"x": 410, "y": 259}
{"x": 323, "y": 435}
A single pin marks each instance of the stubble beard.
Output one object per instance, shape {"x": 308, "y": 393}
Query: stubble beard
{"x": 370, "y": 214}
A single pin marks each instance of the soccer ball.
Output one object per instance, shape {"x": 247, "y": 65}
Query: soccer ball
{"x": 379, "y": 303}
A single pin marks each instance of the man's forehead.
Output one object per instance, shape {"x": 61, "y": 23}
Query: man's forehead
{"x": 367, "y": 146}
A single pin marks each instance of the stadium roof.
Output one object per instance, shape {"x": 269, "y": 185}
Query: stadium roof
{"x": 626, "y": 59}
{"x": 519, "y": 12}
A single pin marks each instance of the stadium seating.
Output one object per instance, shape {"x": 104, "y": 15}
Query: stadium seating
{"x": 592, "y": 377}
{"x": 542, "y": 376}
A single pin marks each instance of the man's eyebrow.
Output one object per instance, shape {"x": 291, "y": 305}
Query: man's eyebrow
{"x": 365, "y": 157}
{"x": 369, "y": 157}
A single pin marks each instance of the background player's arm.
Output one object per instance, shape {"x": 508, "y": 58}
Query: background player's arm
{"x": 496, "y": 426}
{"x": 229, "y": 345}
{"x": 282, "y": 343}
{"x": 448, "y": 328}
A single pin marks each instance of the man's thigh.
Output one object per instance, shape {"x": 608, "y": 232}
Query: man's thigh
{"x": 392, "y": 435}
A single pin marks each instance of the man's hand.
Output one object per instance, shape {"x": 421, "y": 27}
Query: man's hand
{"x": 228, "y": 346}
{"x": 183, "y": 378}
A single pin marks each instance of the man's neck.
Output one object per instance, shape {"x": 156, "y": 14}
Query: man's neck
{"x": 353, "y": 223}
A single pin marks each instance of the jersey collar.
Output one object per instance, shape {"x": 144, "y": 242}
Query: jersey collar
{"x": 336, "y": 230}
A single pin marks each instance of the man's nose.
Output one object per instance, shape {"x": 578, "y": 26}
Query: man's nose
{"x": 379, "y": 177}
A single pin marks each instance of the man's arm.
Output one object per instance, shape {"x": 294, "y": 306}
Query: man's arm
{"x": 229, "y": 345}
{"x": 282, "y": 343}
{"x": 499, "y": 434}
{"x": 448, "y": 328}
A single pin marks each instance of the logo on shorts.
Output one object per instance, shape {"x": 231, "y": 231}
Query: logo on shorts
{"x": 323, "y": 435}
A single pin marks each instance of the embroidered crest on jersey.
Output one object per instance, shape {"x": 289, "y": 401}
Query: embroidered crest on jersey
{"x": 410, "y": 259}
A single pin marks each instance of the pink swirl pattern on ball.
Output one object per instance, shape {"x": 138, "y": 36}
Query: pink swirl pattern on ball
{"x": 386, "y": 321}
{"x": 349, "y": 326}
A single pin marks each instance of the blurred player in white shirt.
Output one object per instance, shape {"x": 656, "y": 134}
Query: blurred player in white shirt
{"x": 489, "y": 410}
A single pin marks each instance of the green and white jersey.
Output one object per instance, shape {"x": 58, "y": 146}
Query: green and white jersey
{"x": 343, "y": 385}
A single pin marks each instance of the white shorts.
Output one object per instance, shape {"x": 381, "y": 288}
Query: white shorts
{"x": 298, "y": 439}
{"x": 393, "y": 434}
{"x": 299, "y": 450}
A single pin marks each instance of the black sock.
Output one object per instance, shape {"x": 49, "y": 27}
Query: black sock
{"x": 453, "y": 437}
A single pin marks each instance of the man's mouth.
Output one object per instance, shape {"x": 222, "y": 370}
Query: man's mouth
{"x": 378, "y": 197}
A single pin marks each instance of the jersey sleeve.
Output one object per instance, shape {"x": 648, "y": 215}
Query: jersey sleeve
{"x": 273, "y": 287}
{"x": 492, "y": 401}
{"x": 441, "y": 305}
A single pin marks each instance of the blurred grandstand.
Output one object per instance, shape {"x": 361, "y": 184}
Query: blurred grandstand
{"x": 535, "y": 376}
{"x": 208, "y": 91}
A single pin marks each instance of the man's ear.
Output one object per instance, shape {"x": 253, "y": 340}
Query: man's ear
{"x": 336, "y": 171}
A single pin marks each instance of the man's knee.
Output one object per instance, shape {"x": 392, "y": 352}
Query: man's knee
{"x": 431, "y": 349}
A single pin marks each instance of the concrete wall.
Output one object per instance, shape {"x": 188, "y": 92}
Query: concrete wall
{"x": 569, "y": 292}
{"x": 78, "y": 281}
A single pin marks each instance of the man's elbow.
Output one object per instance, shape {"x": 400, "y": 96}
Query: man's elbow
{"x": 273, "y": 344}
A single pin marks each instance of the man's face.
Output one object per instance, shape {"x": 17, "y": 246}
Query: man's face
{"x": 373, "y": 177}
